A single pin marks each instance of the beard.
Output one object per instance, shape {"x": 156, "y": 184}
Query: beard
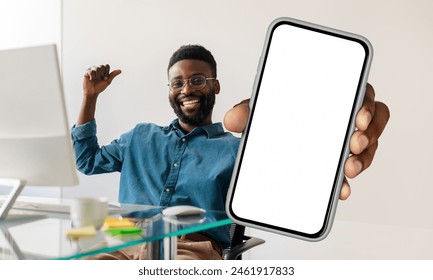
{"x": 207, "y": 102}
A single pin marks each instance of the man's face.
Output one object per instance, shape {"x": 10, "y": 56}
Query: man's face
{"x": 192, "y": 106}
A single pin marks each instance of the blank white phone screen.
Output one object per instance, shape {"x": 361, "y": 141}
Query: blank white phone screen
{"x": 298, "y": 129}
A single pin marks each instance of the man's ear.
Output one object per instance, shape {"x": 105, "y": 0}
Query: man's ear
{"x": 217, "y": 86}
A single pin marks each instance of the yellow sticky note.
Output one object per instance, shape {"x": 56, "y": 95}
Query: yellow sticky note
{"x": 81, "y": 231}
{"x": 113, "y": 222}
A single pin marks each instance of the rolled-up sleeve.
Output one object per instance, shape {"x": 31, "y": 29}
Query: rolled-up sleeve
{"x": 90, "y": 157}
{"x": 83, "y": 131}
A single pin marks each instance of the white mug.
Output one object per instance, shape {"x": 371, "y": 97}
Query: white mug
{"x": 88, "y": 211}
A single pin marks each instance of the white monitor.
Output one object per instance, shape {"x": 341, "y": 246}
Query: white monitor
{"x": 35, "y": 142}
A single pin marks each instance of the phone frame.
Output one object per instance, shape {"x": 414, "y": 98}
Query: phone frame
{"x": 339, "y": 176}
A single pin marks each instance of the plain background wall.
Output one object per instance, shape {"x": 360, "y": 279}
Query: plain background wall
{"x": 389, "y": 214}
{"x": 26, "y": 23}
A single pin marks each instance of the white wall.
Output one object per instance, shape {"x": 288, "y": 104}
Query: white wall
{"x": 29, "y": 23}
{"x": 389, "y": 214}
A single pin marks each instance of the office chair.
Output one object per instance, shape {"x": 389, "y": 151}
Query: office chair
{"x": 239, "y": 243}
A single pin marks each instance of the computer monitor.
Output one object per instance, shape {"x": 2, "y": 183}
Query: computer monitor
{"x": 35, "y": 142}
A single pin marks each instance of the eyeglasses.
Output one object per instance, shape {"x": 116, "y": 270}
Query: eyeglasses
{"x": 196, "y": 82}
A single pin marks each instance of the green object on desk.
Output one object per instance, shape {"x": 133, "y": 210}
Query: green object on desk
{"x": 123, "y": 231}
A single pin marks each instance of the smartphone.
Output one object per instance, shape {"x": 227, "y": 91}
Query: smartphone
{"x": 289, "y": 170}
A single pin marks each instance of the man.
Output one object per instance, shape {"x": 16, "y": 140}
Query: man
{"x": 190, "y": 161}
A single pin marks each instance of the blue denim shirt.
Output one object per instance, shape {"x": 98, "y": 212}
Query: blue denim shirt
{"x": 163, "y": 166}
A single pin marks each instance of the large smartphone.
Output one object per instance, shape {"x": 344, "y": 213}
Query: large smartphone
{"x": 308, "y": 89}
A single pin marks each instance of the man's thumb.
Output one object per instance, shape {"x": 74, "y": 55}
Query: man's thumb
{"x": 113, "y": 75}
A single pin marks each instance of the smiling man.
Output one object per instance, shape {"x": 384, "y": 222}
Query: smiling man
{"x": 190, "y": 161}
{"x": 192, "y": 98}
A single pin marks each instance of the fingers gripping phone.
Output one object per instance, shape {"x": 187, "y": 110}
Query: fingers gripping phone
{"x": 289, "y": 170}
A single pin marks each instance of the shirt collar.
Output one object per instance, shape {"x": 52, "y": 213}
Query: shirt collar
{"x": 212, "y": 130}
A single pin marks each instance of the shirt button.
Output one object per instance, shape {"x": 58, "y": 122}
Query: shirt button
{"x": 167, "y": 190}
{"x": 174, "y": 164}
{"x": 183, "y": 139}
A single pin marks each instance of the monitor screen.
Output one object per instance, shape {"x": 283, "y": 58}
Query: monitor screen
{"x": 35, "y": 142}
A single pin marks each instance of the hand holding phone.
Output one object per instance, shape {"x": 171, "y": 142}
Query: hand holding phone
{"x": 308, "y": 89}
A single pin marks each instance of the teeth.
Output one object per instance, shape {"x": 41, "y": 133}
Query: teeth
{"x": 189, "y": 102}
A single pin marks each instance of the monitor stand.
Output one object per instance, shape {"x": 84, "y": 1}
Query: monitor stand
{"x": 17, "y": 186}
{"x": 8, "y": 220}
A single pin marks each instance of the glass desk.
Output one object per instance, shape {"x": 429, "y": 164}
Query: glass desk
{"x": 45, "y": 237}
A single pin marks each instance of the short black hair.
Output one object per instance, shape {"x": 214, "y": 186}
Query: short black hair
{"x": 194, "y": 52}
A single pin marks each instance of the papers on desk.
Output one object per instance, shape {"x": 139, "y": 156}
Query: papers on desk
{"x": 115, "y": 226}
{"x": 78, "y": 232}
{"x": 116, "y": 222}
{"x": 123, "y": 231}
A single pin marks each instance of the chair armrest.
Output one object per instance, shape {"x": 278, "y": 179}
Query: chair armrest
{"x": 237, "y": 250}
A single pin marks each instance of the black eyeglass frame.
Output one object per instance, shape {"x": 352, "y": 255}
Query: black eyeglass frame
{"x": 200, "y": 86}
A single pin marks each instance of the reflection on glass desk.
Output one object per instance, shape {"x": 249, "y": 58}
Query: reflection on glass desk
{"x": 45, "y": 236}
